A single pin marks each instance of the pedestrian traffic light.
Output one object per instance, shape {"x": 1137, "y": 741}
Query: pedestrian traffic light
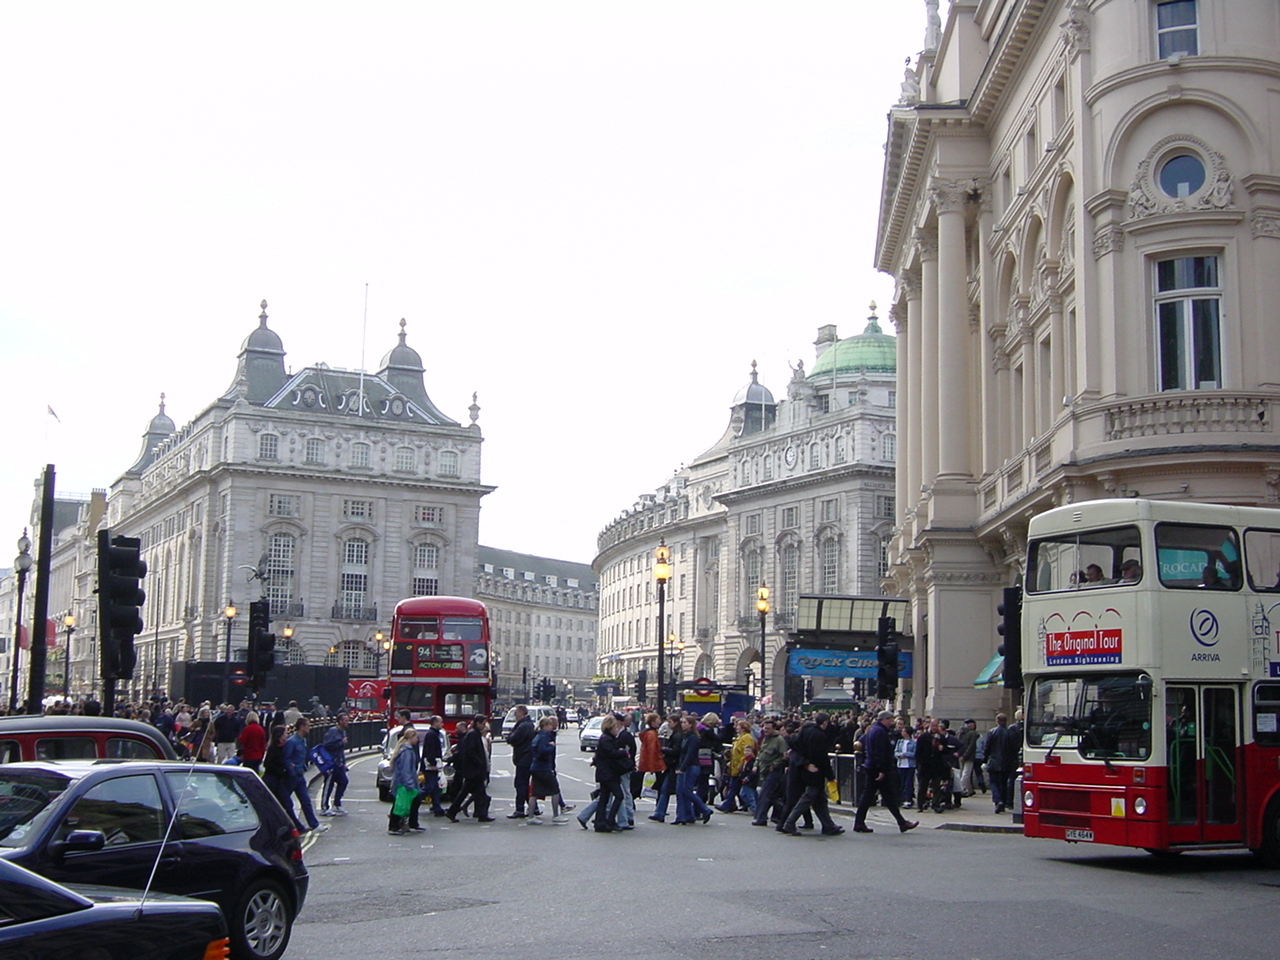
{"x": 120, "y": 599}
{"x": 642, "y": 684}
{"x": 1010, "y": 627}
{"x": 886, "y": 659}
{"x": 262, "y": 643}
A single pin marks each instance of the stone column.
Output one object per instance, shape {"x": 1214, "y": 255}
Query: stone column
{"x": 911, "y": 416}
{"x": 949, "y": 199}
{"x": 927, "y": 438}
{"x": 905, "y": 383}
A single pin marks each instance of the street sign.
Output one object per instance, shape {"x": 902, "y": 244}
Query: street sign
{"x": 703, "y": 686}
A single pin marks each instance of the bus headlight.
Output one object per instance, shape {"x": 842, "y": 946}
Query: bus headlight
{"x": 1028, "y": 799}
{"x": 1140, "y": 806}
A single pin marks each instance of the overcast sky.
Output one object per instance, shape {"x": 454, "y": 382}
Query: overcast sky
{"x": 595, "y": 215}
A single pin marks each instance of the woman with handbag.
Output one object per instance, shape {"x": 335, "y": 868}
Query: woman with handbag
{"x": 404, "y": 782}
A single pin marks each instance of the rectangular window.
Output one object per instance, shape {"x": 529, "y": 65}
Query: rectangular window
{"x": 889, "y": 448}
{"x": 268, "y": 447}
{"x": 751, "y": 525}
{"x": 405, "y": 460}
{"x": 893, "y": 398}
{"x": 790, "y": 517}
{"x": 885, "y": 505}
{"x": 314, "y": 451}
{"x": 357, "y": 509}
{"x": 448, "y": 464}
{"x": 427, "y": 516}
{"x": 824, "y": 402}
{"x": 1188, "y": 307}
{"x": 426, "y": 556}
{"x": 359, "y": 454}
{"x": 425, "y": 586}
{"x": 282, "y": 505}
{"x": 1177, "y": 30}
{"x": 815, "y": 456}
{"x": 830, "y": 510}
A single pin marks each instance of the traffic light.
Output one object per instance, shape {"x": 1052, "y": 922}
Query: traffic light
{"x": 1010, "y": 627}
{"x": 642, "y": 684}
{"x": 262, "y": 642}
{"x": 549, "y": 693}
{"x": 120, "y": 598}
{"x": 886, "y": 659}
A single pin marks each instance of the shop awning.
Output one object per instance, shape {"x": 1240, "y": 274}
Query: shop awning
{"x": 992, "y": 674}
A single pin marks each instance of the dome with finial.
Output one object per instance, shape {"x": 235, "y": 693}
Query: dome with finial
{"x": 263, "y": 338}
{"x": 159, "y": 429}
{"x": 754, "y": 391}
{"x": 402, "y": 355}
{"x": 871, "y": 351}
{"x": 161, "y": 424}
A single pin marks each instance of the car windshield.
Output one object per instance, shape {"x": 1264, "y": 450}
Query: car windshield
{"x": 1104, "y": 717}
{"x": 25, "y": 799}
{"x": 594, "y": 723}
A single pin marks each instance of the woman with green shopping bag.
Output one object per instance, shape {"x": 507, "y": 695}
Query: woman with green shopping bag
{"x": 404, "y": 784}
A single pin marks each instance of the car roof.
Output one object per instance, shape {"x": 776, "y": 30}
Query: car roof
{"x": 78, "y": 769}
{"x": 72, "y": 724}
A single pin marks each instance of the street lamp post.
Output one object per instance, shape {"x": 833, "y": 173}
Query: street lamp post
{"x": 22, "y": 564}
{"x": 762, "y": 605}
{"x": 230, "y": 614}
{"x": 381, "y": 645}
{"x": 68, "y": 624}
{"x": 662, "y": 573}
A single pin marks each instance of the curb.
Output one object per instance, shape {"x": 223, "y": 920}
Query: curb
{"x": 981, "y": 828}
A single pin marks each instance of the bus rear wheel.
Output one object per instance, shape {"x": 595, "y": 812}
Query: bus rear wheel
{"x": 1269, "y": 851}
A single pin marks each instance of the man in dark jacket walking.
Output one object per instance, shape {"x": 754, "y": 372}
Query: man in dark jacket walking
{"x": 810, "y": 745}
{"x": 471, "y": 766}
{"x": 520, "y": 739}
{"x": 881, "y": 775}
{"x": 1002, "y": 748}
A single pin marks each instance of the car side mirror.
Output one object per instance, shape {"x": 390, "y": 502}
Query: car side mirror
{"x": 78, "y": 841}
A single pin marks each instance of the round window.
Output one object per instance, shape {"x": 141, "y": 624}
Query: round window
{"x": 1182, "y": 175}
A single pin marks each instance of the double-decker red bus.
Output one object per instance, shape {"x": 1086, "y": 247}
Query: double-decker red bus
{"x": 440, "y": 661}
{"x": 1151, "y": 656}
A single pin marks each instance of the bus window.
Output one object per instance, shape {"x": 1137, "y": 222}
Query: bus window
{"x": 402, "y": 657}
{"x": 1262, "y": 559}
{"x": 1194, "y": 556}
{"x": 462, "y": 628}
{"x": 1074, "y": 561}
{"x": 464, "y": 704}
{"x": 1106, "y": 717}
{"x": 415, "y": 695}
{"x": 1266, "y": 714}
{"x": 419, "y": 628}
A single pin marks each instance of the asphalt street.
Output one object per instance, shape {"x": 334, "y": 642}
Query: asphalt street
{"x": 729, "y": 890}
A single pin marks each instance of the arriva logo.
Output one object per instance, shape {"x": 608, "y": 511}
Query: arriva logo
{"x": 1204, "y": 627}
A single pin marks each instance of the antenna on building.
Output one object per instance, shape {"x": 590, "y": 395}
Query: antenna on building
{"x": 364, "y": 336}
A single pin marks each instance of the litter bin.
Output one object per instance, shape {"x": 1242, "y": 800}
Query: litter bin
{"x": 848, "y": 776}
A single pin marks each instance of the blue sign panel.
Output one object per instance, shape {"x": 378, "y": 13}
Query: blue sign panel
{"x": 841, "y": 663}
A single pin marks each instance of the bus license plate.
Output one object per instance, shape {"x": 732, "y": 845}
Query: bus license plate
{"x": 1086, "y": 835}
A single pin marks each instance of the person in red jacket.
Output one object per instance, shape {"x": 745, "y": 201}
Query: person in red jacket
{"x": 252, "y": 742}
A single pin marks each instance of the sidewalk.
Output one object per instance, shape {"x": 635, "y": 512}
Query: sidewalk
{"x": 977, "y": 815}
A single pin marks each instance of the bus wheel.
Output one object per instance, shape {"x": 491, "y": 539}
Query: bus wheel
{"x": 1269, "y": 851}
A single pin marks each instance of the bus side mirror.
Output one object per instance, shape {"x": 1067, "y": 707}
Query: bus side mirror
{"x": 386, "y": 693}
{"x": 1143, "y": 686}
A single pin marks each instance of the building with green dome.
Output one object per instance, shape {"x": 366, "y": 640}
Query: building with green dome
{"x": 797, "y": 494}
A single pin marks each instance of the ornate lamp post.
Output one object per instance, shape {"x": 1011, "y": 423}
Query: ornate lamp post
{"x": 381, "y": 645}
{"x": 22, "y": 564}
{"x": 230, "y": 613}
{"x": 662, "y": 573}
{"x": 68, "y": 624}
{"x": 762, "y": 606}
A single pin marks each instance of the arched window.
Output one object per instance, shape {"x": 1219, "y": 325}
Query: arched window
{"x": 281, "y": 550}
{"x": 405, "y": 460}
{"x": 426, "y": 570}
{"x": 353, "y": 591}
{"x": 359, "y": 454}
{"x": 829, "y": 565}
{"x": 790, "y": 579}
{"x": 448, "y": 463}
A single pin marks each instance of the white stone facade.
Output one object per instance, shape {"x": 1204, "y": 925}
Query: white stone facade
{"x": 1081, "y": 205}
{"x": 799, "y": 494}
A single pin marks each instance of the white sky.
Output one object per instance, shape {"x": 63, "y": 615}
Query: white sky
{"x": 594, "y": 214}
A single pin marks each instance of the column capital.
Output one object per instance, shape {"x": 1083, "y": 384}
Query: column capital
{"x": 909, "y": 285}
{"x": 926, "y": 245}
{"x": 951, "y": 196}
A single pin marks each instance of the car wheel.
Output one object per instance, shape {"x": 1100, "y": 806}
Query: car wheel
{"x": 261, "y": 923}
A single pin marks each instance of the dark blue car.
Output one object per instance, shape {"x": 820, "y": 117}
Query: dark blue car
{"x": 43, "y": 920}
{"x": 212, "y": 832}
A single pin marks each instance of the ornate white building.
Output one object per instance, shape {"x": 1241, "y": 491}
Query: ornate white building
{"x": 349, "y": 490}
{"x": 543, "y": 617}
{"x": 798, "y": 494}
{"x": 1081, "y": 204}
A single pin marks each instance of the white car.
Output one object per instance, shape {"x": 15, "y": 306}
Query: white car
{"x": 589, "y": 736}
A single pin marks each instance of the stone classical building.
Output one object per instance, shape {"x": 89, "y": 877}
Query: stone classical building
{"x": 1081, "y": 205}
{"x": 346, "y": 491}
{"x": 797, "y": 494}
{"x": 543, "y": 616}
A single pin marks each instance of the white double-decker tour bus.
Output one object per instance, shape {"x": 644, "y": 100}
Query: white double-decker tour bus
{"x": 1151, "y": 658}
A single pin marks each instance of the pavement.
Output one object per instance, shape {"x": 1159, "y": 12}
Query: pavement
{"x": 977, "y": 814}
